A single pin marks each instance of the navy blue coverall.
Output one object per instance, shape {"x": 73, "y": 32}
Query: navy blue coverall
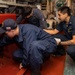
{"x": 69, "y": 31}
{"x": 34, "y": 42}
{"x": 37, "y": 19}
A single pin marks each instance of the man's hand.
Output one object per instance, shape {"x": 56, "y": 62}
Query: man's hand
{"x": 20, "y": 67}
{"x": 58, "y": 40}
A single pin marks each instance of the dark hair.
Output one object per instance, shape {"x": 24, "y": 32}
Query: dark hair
{"x": 26, "y": 11}
{"x": 65, "y": 9}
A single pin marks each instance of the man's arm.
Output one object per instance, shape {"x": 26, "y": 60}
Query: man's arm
{"x": 52, "y": 32}
{"x": 69, "y": 42}
{"x": 41, "y": 17}
{"x": 72, "y": 41}
{"x": 43, "y": 23}
{"x": 19, "y": 19}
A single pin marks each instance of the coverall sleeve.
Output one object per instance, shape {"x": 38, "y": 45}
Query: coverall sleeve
{"x": 19, "y": 19}
{"x": 41, "y": 17}
{"x": 43, "y": 23}
{"x": 29, "y": 37}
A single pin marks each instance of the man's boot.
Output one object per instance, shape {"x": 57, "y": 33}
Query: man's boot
{"x": 35, "y": 69}
{"x": 36, "y": 73}
{"x": 60, "y": 51}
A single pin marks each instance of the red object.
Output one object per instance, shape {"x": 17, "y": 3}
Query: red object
{"x": 21, "y": 72}
{"x": 9, "y": 49}
{"x": 7, "y": 16}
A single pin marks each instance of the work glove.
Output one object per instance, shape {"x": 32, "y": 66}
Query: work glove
{"x": 57, "y": 40}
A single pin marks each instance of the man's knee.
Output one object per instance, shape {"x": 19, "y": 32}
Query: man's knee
{"x": 34, "y": 45}
{"x": 35, "y": 53}
{"x": 17, "y": 55}
{"x": 71, "y": 50}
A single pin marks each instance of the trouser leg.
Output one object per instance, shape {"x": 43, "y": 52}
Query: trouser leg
{"x": 36, "y": 53}
{"x": 71, "y": 51}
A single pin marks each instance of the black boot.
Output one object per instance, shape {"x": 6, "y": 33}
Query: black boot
{"x": 60, "y": 51}
{"x": 35, "y": 69}
{"x": 35, "y": 73}
{"x": 46, "y": 56}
